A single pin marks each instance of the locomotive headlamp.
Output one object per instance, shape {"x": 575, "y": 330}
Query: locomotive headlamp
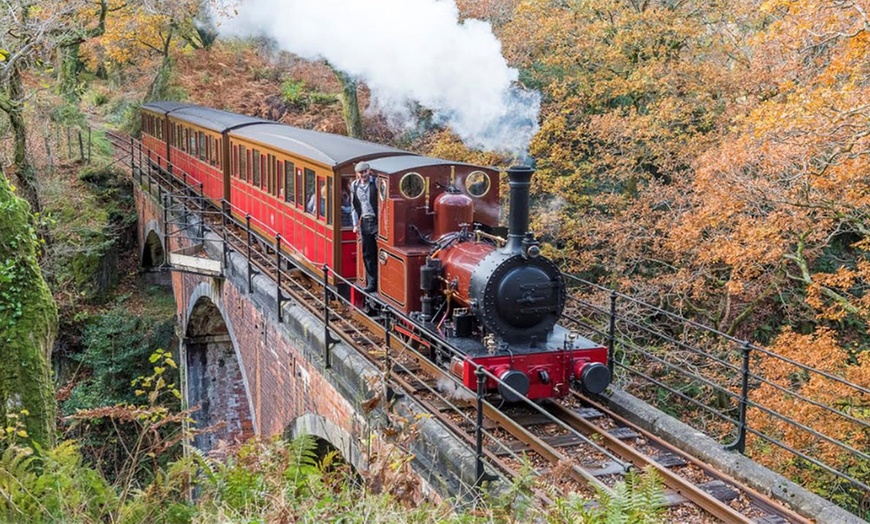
{"x": 533, "y": 251}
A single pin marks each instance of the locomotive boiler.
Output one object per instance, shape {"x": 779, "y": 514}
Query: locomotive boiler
{"x": 500, "y": 304}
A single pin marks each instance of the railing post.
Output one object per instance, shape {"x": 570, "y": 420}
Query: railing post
{"x": 149, "y": 168}
{"x": 327, "y": 357}
{"x": 201, "y": 213}
{"x": 278, "y": 294}
{"x": 388, "y": 340}
{"x": 611, "y": 333}
{"x": 224, "y": 224}
{"x": 478, "y": 430}
{"x": 133, "y": 159}
{"x": 250, "y": 269}
{"x": 165, "y": 228}
{"x": 739, "y": 443}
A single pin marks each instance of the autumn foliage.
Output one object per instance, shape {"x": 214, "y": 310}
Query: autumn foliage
{"x": 708, "y": 158}
{"x": 711, "y": 159}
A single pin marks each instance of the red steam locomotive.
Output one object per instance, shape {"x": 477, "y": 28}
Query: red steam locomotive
{"x": 443, "y": 260}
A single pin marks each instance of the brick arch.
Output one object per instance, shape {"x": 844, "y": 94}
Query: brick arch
{"x": 215, "y": 377}
{"x": 323, "y": 428}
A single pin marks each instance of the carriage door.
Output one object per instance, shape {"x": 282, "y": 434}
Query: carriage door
{"x": 347, "y": 246}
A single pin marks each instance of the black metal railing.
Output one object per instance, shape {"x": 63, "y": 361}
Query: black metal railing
{"x": 748, "y": 397}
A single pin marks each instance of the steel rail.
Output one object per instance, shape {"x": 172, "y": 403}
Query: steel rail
{"x": 681, "y": 485}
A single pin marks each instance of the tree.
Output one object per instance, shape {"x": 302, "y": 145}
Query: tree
{"x": 28, "y": 324}
{"x": 633, "y": 92}
{"x": 137, "y": 30}
{"x": 19, "y": 43}
{"x": 34, "y": 30}
{"x": 70, "y": 44}
{"x": 349, "y": 104}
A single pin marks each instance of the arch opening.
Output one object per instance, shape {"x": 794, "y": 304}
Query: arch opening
{"x": 153, "y": 257}
{"x": 214, "y": 380}
{"x": 152, "y": 253}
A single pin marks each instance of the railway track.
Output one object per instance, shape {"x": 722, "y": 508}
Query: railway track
{"x": 573, "y": 445}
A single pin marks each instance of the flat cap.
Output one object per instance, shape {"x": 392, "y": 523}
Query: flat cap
{"x": 362, "y": 166}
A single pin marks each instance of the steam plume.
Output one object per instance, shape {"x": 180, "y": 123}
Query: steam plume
{"x": 407, "y": 51}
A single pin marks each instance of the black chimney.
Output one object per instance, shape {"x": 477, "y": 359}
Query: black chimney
{"x": 518, "y": 221}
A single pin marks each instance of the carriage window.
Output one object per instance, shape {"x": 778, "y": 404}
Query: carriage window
{"x": 300, "y": 200}
{"x": 346, "y": 208}
{"x": 191, "y": 142}
{"x": 201, "y": 145}
{"x": 218, "y": 160}
{"x": 235, "y": 162}
{"x": 273, "y": 180}
{"x": 263, "y": 171}
{"x": 477, "y": 183}
{"x": 329, "y": 195}
{"x": 289, "y": 181}
{"x": 256, "y": 162}
{"x": 274, "y": 176}
{"x": 310, "y": 182}
{"x": 412, "y": 185}
{"x": 267, "y": 174}
{"x": 243, "y": 164}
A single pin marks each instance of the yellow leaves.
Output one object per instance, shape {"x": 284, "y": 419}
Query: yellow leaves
{"x": 821, "y": 350}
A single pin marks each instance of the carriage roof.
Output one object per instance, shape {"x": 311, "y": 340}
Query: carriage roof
{"x": 164, "y": 108}
{"x": 325, "y": 148}
{"x": 214, "y": 119}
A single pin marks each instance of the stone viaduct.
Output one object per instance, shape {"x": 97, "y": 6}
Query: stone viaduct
{"x": 253, "y": 375}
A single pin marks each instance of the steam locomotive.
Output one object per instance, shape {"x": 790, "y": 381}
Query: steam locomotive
{"x": 443, "y": 259}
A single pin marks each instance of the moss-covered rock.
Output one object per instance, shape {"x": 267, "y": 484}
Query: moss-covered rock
{"x": 28, "y": 323}
{"x": 91, "y": 226}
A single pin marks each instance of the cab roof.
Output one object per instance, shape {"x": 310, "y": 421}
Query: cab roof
{"x": 398, "y": 164}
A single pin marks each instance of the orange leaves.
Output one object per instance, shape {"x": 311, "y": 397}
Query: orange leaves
{"x": 821, "y": 350}
{"x": 135, "y": 30}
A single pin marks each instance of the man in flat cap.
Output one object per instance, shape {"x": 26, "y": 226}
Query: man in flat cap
{"x": 364, "y": 199}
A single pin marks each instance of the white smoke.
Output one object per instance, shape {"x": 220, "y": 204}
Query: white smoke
{"x": 454, "y": 391}
{"x": 407, "y": 51}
